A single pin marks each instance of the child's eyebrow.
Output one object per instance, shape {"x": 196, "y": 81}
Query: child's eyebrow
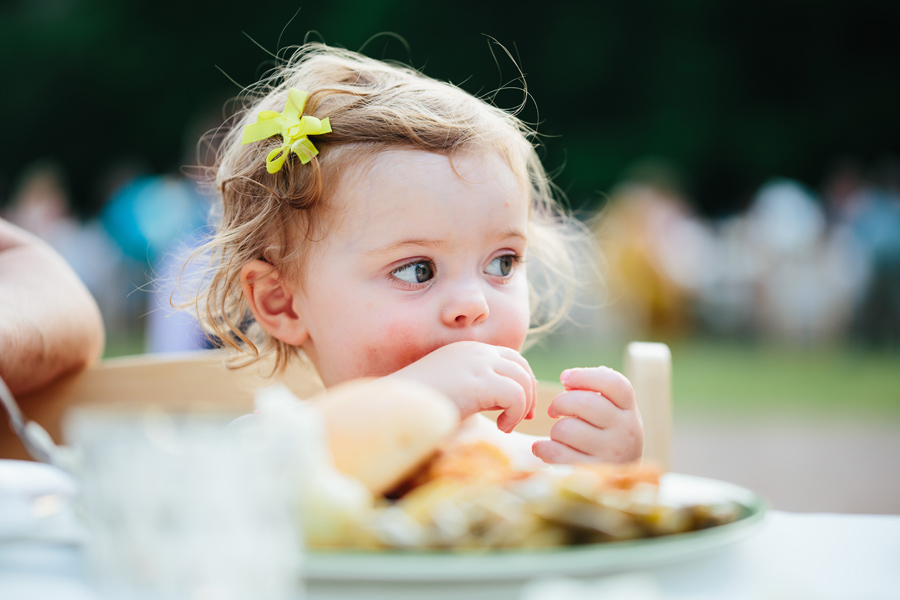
{"x": 440, "y": 244}
{"x": 512, "y": 233}
{"x": 417, "y": 242}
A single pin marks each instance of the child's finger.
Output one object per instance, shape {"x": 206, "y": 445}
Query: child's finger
{"x": 534, "y": 394}
{"x": 610, "y": 383}
{"x": 591, "y": 407}
{"x": 604, "y": 445}
{"x": 510, "y": 397}
{"x": 555, "y": 453}
{"x": 579, "y": 435}
{"x": 525, "y": 377}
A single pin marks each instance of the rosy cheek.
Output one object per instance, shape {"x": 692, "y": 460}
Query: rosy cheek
{"x": 398, "y": 346}
{"x": 514, "y": 329}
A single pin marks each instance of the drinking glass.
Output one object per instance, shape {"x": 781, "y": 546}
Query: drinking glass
{"x": 184, "y": 506}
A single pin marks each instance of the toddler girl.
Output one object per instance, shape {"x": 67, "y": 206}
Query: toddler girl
{"x": 386, "y": 224}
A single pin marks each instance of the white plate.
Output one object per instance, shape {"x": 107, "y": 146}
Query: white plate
{"x": 398, "y": 566}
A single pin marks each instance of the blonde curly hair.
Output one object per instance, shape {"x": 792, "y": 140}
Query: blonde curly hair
{"x": 372, "y": 106}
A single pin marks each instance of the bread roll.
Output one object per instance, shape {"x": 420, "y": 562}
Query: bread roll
{"x": 380, "y": 430}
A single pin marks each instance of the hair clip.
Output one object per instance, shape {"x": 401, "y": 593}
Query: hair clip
{"x": 292, "y": 125}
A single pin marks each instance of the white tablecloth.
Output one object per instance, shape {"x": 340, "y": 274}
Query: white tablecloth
{"x": 791, "y": 556}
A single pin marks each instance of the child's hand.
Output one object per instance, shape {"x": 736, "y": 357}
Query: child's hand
{"x": 479, "y": 377}
{"x": 601, "y": 421}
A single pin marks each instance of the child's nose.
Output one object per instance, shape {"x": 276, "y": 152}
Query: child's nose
{"x": 465, "y": 307}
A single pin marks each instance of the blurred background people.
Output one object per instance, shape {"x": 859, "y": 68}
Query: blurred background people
{"x": 40, "y": 204}
{"x": 870, "y": 215}
{"x": 156, "y": 220}
{"x": 782, "y": 270}
{"x": 656, "y": 250}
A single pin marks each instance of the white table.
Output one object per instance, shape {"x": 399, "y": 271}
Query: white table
{"x": 791, "y": 555}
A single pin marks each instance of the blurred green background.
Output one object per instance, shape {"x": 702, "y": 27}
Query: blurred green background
{"x": 707, "y": 101}
{"x": 732, "y": 93}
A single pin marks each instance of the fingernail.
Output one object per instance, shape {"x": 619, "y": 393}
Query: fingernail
{"x": 564, "y": 377}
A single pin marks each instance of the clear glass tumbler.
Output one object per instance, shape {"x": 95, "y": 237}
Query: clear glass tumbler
{"x": 181, "y": 506}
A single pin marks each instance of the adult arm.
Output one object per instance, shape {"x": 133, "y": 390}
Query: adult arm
{"x": 49, "y": 322}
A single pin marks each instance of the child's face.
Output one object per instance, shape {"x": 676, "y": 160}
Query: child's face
{"x": 420, "y": 256}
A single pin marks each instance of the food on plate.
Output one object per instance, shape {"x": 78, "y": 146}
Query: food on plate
{"x": 379, "y": 431}
{"x": 468, "y": 496}
{"x": 399, "y": 479}
{"x": 350, "y": 445}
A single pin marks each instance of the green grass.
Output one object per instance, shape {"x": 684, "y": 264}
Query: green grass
{"x": 715, "y": 378}
{"x": 124, "y": 343}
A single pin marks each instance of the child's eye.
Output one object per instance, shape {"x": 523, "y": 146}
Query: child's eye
{"x": 502, "y": 266}
{"x": 416, "y": 272}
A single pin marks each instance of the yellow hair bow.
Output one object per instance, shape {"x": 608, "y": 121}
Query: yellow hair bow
{"x": 293, "y": 126}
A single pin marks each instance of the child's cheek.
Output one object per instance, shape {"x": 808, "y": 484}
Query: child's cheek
{"x": 513, "y": 329}
{"x": 399, "y": 346}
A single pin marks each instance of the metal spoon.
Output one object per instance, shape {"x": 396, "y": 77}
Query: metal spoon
{"x": 35, "y": 439}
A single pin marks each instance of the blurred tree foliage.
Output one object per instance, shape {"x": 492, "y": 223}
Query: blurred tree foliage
{"x": 731, "y": 93}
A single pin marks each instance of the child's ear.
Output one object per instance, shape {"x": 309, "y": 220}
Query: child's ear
{"x": 272, "y": 302}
